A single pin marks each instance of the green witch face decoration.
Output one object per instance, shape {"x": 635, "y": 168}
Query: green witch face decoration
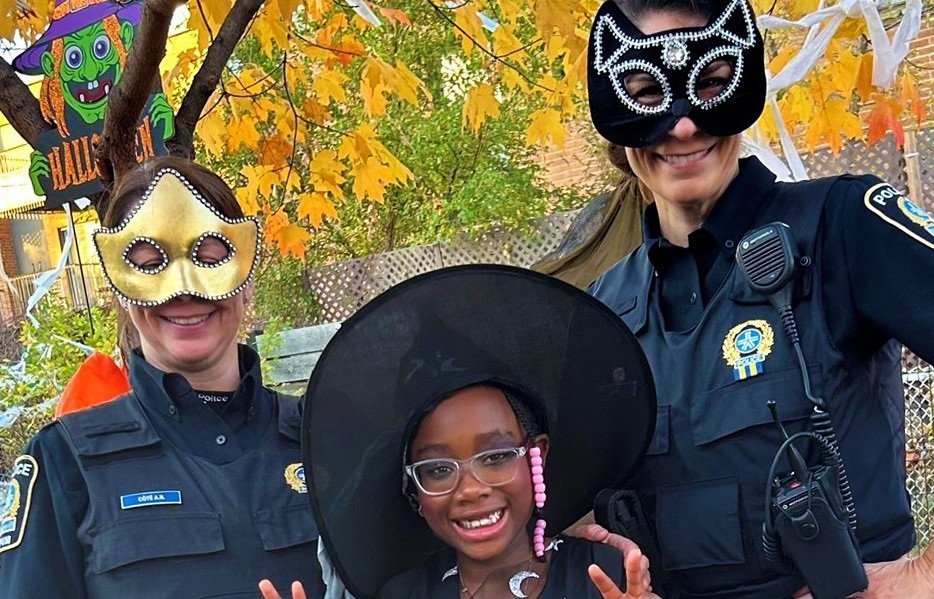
{"x": 84, "y": 66}
{"x": 82, "y": 56}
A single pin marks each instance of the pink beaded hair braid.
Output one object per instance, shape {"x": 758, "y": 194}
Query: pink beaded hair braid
{"x": 538, "y": 479}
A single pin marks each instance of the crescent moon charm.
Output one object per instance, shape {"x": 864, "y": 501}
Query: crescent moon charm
{"x": 515, "y": 583}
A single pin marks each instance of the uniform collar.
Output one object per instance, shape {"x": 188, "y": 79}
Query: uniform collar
{"x": 733, "y": 213}
{"x": 171, "y": 395}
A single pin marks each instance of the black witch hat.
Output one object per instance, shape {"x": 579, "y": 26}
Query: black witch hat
{"x": 437, "y": 333}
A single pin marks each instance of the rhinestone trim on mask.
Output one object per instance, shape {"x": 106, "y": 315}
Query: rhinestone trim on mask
{"x": 197, "y": 194}
{"x": 617, "y": 76}
{"x": 231, "y": 250}
{"x": 675, "y": 54}
{"x": 608, "y": 66}
{"x": 143, "y": 269}
{"x": 706, "y": 60}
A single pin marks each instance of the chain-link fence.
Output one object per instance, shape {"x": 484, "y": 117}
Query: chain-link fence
{"x": 918, "y": 378}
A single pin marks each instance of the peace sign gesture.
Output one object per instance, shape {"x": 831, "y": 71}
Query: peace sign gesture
{"x": 637, "y": 582}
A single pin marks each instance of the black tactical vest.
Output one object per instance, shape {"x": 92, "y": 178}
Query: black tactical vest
{"x": 162, "y": 523}
{"x": 703, "y": 483}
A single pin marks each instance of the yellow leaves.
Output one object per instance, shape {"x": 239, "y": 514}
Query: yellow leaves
{"x": 328, "y": 86}
{"x": 552, "y": 15}
{"x": 797, "y": 105}
{"x": 212, "y": 131}
{"x": 242, "y": 131}
{"x": 852, "y": 28}
{"x": 374, "y": 98}
{"x": 781, "y": 59}
{"x": 260, "y": 179}
{"x": 510, "y": 11}
{"x": 318, "y": 8}
{"x": 479, "y": 104}
{"x": 545, "y": 125}
{"x": 513, "y": 80}
{"x": 327, "y": 173}
{"x": 373, "y": 167}
{"x": 214, "y": 11}
{"x": 314, "y": 206}
{"x": 408, "y": 84}
{"x": 289, "y": 237}
{"x": 7, "y": 18}
{"x": 469, "y": 28}
{"x": 864, "y": 86}
{"x": 370, "y": 177}
{"x": 884, "y": 118}
{"x": 270, "y": 30}
{"x": 831, "y": 122}
{"x": 379, "y": 78}
{"x": 286, "y": 9}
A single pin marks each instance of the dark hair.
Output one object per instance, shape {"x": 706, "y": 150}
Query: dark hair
{"x": 133, "y": 185}
{"x": 130, "y": 189}
{"x": 635, "y": 10}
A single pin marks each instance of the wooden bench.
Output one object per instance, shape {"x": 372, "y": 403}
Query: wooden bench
{"x": 290, "y": 356}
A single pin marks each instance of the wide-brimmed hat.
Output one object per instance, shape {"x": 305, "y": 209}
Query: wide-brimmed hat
{"x": 69, "y": 16}
{"x": 437, "y": 333}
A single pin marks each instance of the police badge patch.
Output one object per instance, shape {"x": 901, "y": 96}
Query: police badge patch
{"x": 894, "y": 208}
{"x": 746, "y": 347}
{"x": 295, "y": 477}
{"x": 14, "y": 509}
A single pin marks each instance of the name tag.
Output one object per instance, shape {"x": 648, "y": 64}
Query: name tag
{"x": 128, "y": 502}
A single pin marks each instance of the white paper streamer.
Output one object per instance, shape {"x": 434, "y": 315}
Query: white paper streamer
{"x": 45, "y": 281}
{"x": 822, "y": 24}
{"x": 365, "y": 12}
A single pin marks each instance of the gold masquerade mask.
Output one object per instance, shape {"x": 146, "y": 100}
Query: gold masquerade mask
{"x": 174, "y": 218}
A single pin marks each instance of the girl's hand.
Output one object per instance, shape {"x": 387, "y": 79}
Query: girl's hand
{"x": 270, "y": 592}
{"x": 637, "y": 583}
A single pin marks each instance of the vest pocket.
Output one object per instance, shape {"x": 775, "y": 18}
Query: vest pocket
{"x": 137, "y": 539}
{"x": 286, "y": 527}
{"x": 742, "y": 404}
{"x": 698, "y": 524}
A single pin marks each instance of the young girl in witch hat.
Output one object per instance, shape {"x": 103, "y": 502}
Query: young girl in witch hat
{"x": 491, "y": 405}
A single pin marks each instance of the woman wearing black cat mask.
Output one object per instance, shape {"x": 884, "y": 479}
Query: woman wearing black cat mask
{"x": 676, "y": 82}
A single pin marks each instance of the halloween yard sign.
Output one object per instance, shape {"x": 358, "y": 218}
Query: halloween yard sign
{"x": 81, "y": 56}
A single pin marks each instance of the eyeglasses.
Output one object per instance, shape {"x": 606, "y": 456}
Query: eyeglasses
{"x": 493, "y": 468}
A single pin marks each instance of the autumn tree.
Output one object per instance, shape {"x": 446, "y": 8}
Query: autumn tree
{"x": 310, "y": 109}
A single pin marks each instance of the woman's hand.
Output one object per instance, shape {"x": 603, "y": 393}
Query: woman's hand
{"x": 637, "y": 582}
{"x": 270, "y": 592}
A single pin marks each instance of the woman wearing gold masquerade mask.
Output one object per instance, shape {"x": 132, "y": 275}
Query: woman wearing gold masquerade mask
{"x": 170, "y": 490}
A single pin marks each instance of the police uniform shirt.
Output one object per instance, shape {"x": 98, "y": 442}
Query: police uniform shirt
{"x": 173, "y": 531}
{"x": 867, "y": 254}
{"x": 877, "y": 277}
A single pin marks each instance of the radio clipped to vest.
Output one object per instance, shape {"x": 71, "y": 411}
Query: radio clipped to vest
{"x": 810, "y": 520}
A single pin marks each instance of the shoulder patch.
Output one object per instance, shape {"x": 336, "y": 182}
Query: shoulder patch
{"x": 893, "y": 207}
{"x": 14, "y": 508}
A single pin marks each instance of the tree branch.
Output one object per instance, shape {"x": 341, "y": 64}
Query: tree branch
{"x": 116, "y": 152}
{"x": 208, "y": 76}
{"x": 19, "y": 106}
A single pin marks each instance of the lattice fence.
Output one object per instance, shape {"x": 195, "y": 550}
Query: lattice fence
{"x": 918, "y": 378}
{"x": 925, "y": 151}
{"x": 881, "y": 159}
{"x": 341, "y": 289}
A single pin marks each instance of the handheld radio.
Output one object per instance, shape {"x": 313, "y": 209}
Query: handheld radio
{"x": 810, "y": 520}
